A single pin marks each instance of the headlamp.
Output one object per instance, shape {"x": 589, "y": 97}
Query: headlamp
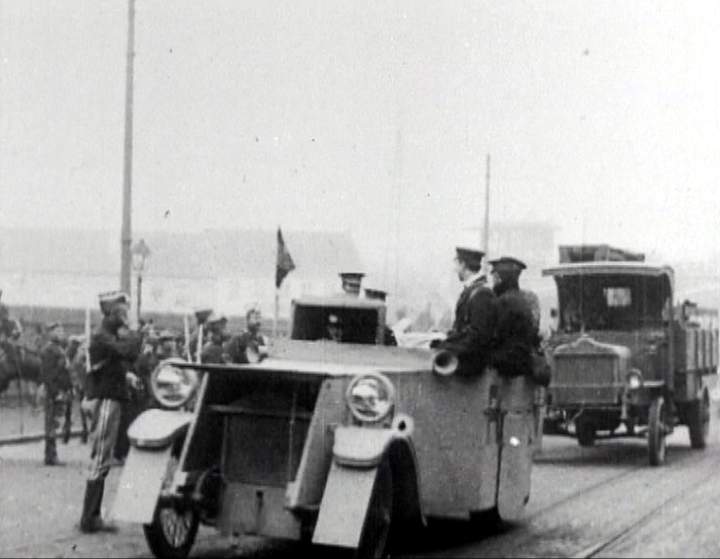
{"x": 634, "y": 379}
{"x": 172, "y": 386}
{"x": 370, "y": 397}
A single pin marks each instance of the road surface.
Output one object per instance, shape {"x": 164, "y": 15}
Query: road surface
{"x": 597, "y": 502}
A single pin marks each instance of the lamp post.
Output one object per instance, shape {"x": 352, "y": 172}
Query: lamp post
{"x": 140, "y": 253}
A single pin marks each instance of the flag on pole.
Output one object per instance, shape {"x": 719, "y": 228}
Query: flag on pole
{"x": 284, "y": 263}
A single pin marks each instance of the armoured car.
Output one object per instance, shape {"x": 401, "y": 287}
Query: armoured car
{"x": 347, "y": 445}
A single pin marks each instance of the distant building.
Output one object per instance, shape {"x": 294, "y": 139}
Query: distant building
{"x": 225, "y": 269}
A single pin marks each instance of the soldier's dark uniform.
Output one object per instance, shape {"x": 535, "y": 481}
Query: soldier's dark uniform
{"x": 214, "y": 351}
{"x": 238, "y": 344}
{"x": 516, "y": 334}
{"x": 106, "y": 388}
{"x": 472, "y": 334}
{"x": 55, "y": 377}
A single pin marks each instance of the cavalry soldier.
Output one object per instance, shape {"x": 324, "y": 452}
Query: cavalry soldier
{"x": 55, "y": 378}
{"x": 516, "y": 333}
{"x": 213, "y": 351}
{"x": 251, "y": 338}
{"x": 111, "y": 348}
{"x": 471, "y": 337}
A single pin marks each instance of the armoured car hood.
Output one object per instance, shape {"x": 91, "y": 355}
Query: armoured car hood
{"x": 327, "y": 358}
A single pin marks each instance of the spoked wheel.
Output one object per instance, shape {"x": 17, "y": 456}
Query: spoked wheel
{"x": 657, "y": 425}
{"x": 585, "y": 433}
{"x": 376, "y": 531}
{"x": 175, "y": 522}
{"x": 699, "y": 421}
{"x": 173, "y": 529}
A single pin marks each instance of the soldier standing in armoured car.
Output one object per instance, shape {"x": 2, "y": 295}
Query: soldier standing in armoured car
{"x": 516, "y": 334}
{"x": 213, "y": 351}
{"x": 55, "y": 378}
{"x": 252, "y": 338}
{"x": 110, "y": 349}
{"x": 471, "y": 337}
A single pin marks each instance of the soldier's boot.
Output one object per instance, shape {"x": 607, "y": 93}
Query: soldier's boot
{"x": 91, "y": 520}
{"x": 51, "y": 457}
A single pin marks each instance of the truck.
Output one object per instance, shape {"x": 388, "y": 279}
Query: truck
{"x": 627, "y": 358}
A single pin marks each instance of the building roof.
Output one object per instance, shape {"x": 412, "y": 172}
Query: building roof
{"x": 206, "y": 254}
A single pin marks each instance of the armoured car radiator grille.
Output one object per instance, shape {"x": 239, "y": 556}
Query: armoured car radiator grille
{"x": 265, "y": 432}
{"x": 585, "y": 379}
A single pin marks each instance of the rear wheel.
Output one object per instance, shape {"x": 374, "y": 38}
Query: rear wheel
{"x": 656, "y": 431}
{"x": 376, "y": 530}
{"x": 585, "y": 433}
{"x": 698, "y": 420}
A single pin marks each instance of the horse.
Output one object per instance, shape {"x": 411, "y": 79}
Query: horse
{"x": 23, "y": 365}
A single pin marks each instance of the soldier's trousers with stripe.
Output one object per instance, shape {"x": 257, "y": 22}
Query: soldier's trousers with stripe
{"x": 104, "y": 429}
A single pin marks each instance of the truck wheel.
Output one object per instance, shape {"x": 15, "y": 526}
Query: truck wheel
{"x": 585, "y": 433}
{"x": 698, "y": 420}
{"x": 376, "y": 531}
{"x": 173, "y": 529}
{"x": 656, "y": 432}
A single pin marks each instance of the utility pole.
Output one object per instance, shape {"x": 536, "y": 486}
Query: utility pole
{"x": 486, "y": 224}
{"x": 126, "y": 232}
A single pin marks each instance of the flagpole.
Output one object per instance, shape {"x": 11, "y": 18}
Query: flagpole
{"x": 277, "y": 312}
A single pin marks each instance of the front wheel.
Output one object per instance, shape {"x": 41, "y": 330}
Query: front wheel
{"x": 173, "y": 529}
{"x": 657, "y": 431}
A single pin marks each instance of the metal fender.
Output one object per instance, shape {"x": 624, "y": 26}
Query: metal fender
{"x": 358, "y": 453}
{"x": 140, "y": 483}
{"x": 156, "y": 428}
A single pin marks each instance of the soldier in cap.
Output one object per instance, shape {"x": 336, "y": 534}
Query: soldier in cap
{"x": 251, "y": 341}
{"x": 471, "y": 337}
{"x": 381, "y": 295}
{"x": 516, "y": 335}
{"x": 55, "y": 378}
{"x": 112, "y": 346}
{"x": 333, "y": 329}
{"x": 213, "y": 350}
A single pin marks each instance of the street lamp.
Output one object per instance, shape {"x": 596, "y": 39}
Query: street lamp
{"x": 140, "y": 253}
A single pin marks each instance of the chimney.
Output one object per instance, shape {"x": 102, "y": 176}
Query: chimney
{"x": 351, "y": 282}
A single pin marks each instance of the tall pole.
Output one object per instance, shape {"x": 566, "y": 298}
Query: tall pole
{"x": 126, "y": 232}
{"x": 486, "y": 224}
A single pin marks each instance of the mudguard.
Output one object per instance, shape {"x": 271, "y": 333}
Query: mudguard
{"x": 518, "y": 433}
{"x": 158, "y": 428}
{"x": 140, "y": 483}
{"x": 357, "y": 453}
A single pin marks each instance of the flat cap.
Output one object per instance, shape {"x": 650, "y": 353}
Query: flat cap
{"x": 214, "y": 318}
{"x": 508, "y": 263}
{"x": 372, "y": 293}
{"x": 469, "y": 255}
{"x": 203, "y": 313}
{"x": 109, "y": 299}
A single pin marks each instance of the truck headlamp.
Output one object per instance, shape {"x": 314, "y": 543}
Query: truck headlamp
{"x": 172, "y": 386}
{"x": 634, "y": 379}
{"x": 370, "y": 397}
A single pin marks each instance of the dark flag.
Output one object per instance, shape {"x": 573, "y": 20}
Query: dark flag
{"x": 285, "y": 262}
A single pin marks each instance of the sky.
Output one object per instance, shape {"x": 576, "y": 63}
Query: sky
{"x": 369, "y": 117}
